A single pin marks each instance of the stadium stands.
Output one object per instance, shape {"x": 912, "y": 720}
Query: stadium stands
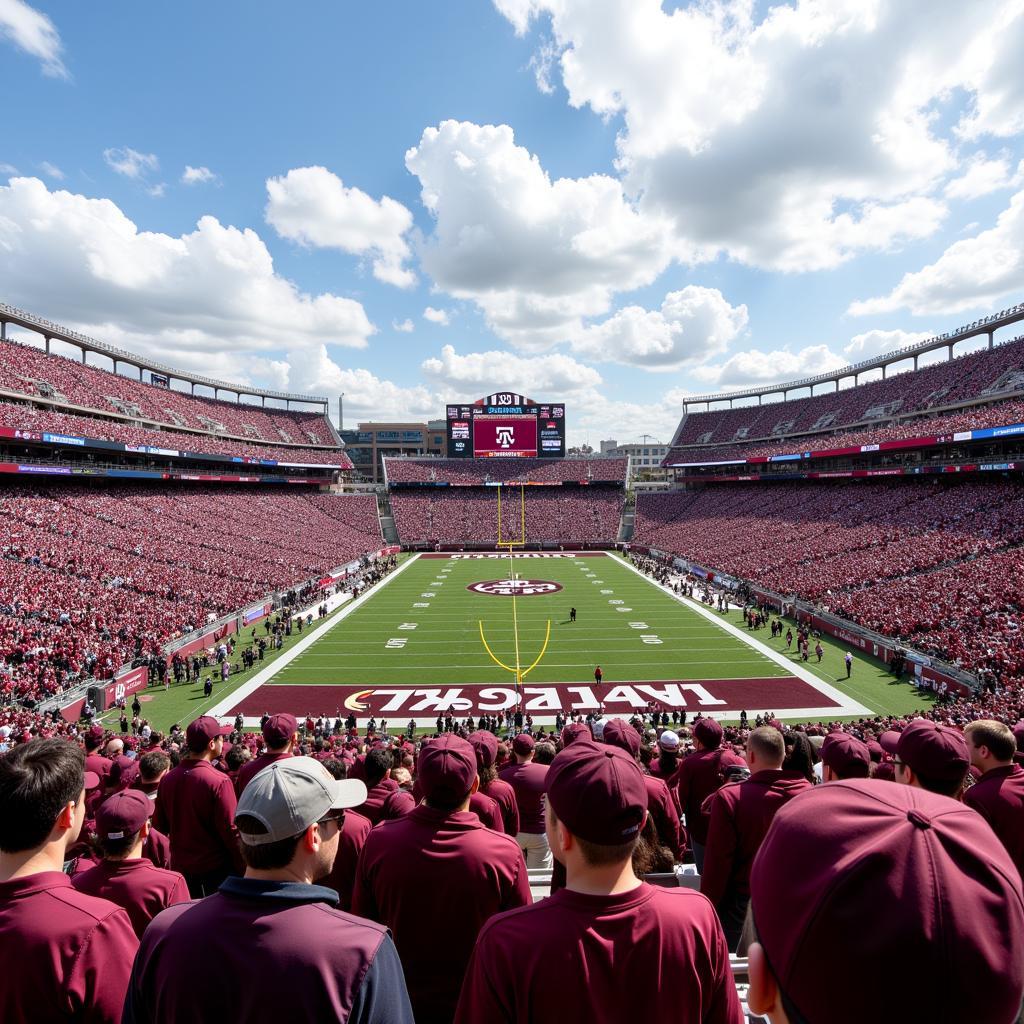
{"x": 473, "y": 472}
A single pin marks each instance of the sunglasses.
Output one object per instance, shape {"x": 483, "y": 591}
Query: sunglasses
{"x": 335, "y": 817}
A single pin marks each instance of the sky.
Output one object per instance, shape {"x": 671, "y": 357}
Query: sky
{"x": 610, "y": 203}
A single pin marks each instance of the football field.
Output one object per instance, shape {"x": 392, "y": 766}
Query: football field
{"x": 473, "y": 633}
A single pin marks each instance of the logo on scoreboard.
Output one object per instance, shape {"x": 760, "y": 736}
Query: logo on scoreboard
{"x": 516, "y": 587}
{"x": 506, "y": 436}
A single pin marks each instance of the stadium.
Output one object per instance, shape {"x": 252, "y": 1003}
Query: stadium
{"x": 643, "y": 728}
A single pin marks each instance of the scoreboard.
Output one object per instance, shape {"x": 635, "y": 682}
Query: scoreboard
{"x": 505, "y": 425}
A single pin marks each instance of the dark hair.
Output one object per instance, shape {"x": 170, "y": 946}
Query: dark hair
{"x": 270, "y": 856}
{"x": 598, "y": 855}
{"x": 488, "y": 774}
{"x": 544, "y": 753}
{"x": 38, "y": 780}
{"x": 115, "y": 849}
{"x": 152, "y": 764}
{"x": 378, "y": 762}
{"x": 338, "y": 769}
{"x": 236, "y": 757}
{"x": 799, "y": 754}
{"x": 649, "y": 854}
{"x": 447, "y": 806}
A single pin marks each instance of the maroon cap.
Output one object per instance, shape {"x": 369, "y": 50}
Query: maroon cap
{"x": 621, "y": 734}
{"x": 598, "y": 793}
{"x": 709, "y": 732}
{"x": 916, "y": 877}
{"x": 202, "y": 730}
{"x": 1018, "y": 735}
{"x": 279, "y": 729}
{"x": 889, "y": 741}
{"x": 398, "y": 804}
{"x": 575, "y": 731}
{"x": 935, "y": 752}
{"x": 124, "y": 771}
{"x": 123, "y": 814}
{"x": 446, "y": 769}
{"x": 886, "y": 772}
{"x": 846, "y": 755}
{"x": 97, "y": 732}
{"x": 875, "y": 750}
{"x": 523, "y": 743}
{"x": 92, "y": 781}
{"x": 486, "y": 746}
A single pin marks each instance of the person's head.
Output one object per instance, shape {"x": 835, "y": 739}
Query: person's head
{"x": 668, "y": 745}
{"x": 799, "y": 753}
{"x": 447, "y": 773}
{"x": 337, "y": 769}
{"x": 281, "y": 733}
{"x": 844, "y": 757}
{"x": 707, "y": 734}
{"x": 205, "y": 738}
{"x": 93, "y": 739}
{"x": 153, "y": 767}
{"x": 377, "y": 766}
{"x": 523, "y": 748}
{"x": 289, "y": 818}
{"x": 236, "y": 757}
{"x": 42, "y": 793}
{"x": 766, "y": 748}
{"x": 934, "y": 902}
{"x": 990, "y": 744}
{"x": 485, "y": 744}
{"x": 114, "y": 748}
{"x": 929, "y": 756}
{"x": 122, "y": 824}
{"x": 596, "y": 808}
{"x": 619, "y": 733}
{"x": 574, "y": 731}
{"x": 544, "y": 753}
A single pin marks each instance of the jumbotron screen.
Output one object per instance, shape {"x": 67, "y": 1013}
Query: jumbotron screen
{"x": 506, "y": 425}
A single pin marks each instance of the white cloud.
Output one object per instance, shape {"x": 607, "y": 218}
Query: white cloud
{"x": 972, "y": 273}
{"x": 405, "y": 326}
{"x": 877, "y": 343}
{"x": 692, "y": 325}
{"x": 436, "y": 316}
{"x": 995, "y": 77}
{"x": 157, "y": 191}
{"x": 8, "y": 169}
{"x": 536, "y": 255}
{"x": 598, "y": 419}
{"x": 51, "y": 170}
{"x": 130, "y": 162}
{"x": 32, "y": 31}
{"x": 211, "y": 294}
{"x": 983, "y": 176}
{"x": 481, "y": 373}
{"x": 197, "y": 175}
{"x": 312, "y": 206}
{"x": 791, "y": 138}
{"x": 753, "y": 367}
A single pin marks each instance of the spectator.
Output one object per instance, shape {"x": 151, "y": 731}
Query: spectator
{"x": 739, "y": 818}
{"x": 998, "y": 796}
{"x": 379, "y": 785}
{"x": 485, "y": 743}
{"x": 152, "y": 768}
{"x": 281, "y": 735}
{"x": 342, "y": 876}
{"x": 952, "y": 912}
{"x": 929, "y": 756}
{"x": 66, "y": 955}
{"x": 602, "y": 949}
{"x": 195, "y": 806}
{"x": 125, "y": 876}
{"x": 198, "y": 961}
{"x": 696, "y": 779}
{"x": 844, "y": 757}
{"x": 527, "y": 780}
{"x": 414, "y": 872}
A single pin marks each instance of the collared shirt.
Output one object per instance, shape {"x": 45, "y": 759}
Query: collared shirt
{"x": 66, "y": 955}
{"x": 487, "y": 810}
{"x": 696, "y": 779}
{"x": 998, "y": 796}
{"x": 252, "y": 768}
{"x": 138, "y": 886}
{"x": 342, "y": 878}
{"x": 432, "y": 866}
{"x": 505, "y": 797}
{"x": 266, "y": 951}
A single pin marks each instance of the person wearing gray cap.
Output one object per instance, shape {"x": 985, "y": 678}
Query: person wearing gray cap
{"x": 272, "y": 945}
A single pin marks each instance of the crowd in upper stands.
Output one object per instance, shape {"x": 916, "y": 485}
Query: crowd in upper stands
{"x": 474, "y": 472}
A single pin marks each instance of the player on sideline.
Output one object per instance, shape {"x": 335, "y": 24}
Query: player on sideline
{"x": 572, "y": 614}
{"x": 601, "y": 950}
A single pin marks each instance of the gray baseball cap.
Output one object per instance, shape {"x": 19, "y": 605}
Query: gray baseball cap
{"x": 291, "y": 794}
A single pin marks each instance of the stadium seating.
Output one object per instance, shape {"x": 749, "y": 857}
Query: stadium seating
{"x": 473, "y": 472}
{"x": 89, "y": 576}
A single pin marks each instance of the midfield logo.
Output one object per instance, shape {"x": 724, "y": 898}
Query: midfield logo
{"x": 518, "y": 587}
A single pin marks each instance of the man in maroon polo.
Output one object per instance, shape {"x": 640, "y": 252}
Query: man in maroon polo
{"x": 195, "y": 807}
{"x": 696, "y": 779}
{"x": 342, "y": 876}
{"x": 379, "y": 784}
{"x": 527, "y": 781}
{"x": 661, "y": 805}
{"x": 66, "y": 955}
{"x": 125, "y": 876}
{"x": 281, "y": 735}
{"x": 740, "y": 815}
{"x": 608, "y": 948}
{"x": 872, "y": 901}
{"x": 439, "y": 864}
{"x": 998, "y": 796}
{"x": 844, "y": 757}
{"x": 929, "y": 756}
{"x": 94, "y": 760}
{"x": 485, "y": 744}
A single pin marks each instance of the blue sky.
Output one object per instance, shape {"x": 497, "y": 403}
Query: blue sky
{"x": 604, "y": 202}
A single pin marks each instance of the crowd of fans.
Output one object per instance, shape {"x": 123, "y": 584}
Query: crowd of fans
{"x": 474, "y": 472}
{"x": 30, "y": 371}
{"x": 585, "y": 515}
{"x": 92, "y": 578}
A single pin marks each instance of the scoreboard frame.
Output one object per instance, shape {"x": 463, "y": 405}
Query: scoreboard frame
{"x": 505, "y": 425}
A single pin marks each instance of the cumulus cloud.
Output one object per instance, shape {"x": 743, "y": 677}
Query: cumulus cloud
{"x": 995, "y": 81}
{"x": 878, "y": 343}
{"x": 32, "y": 31}
{"x": 51, "y": 170}
{"x": 197, "y": 175}
{"x": 405, "y": 326}
{"x": 130, "y": 162}
{"x": 312, "y": 206}
{"x": 8, "y": 169}
{"x": 692, "y": 325}
{"x": 209, "y": 294}
{"x": 982, "y": 176}
{"x": 792, "y": 138}
{"x": 436, "y": 316}
{"x": 536, "y": 255}
{"x": 753, "y": 368}
{"x": 973, "y": 273}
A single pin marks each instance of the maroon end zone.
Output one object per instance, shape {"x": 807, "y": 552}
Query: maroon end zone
{"x": 782, "y": 694}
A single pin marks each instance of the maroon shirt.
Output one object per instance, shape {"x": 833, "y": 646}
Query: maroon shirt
{"x": 250, "y": 769}
{"x": 66, "y": 955}
{"x": 436, "y": 869}
{"x": 136, "y": 885}
{"x": 196, "y": 808}
{"x": 579, "y": 959}
{"x": 740, "y": 816}
{"x": 373, "y": 808}
{"x": 342, "y": 878}
{"x": 528, "y": 782}
{"x": 101, "y": 765}
{"x": 505, "y": 797}
{"x": 664, "y": 812}
{"x": 696, "y": 779}
{"x": 487, "y": 810}
{"x": 998, "y": 796}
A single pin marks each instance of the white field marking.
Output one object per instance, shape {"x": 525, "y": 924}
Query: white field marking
{"x": 396, "y": 642}
{"x": 651, "y": 638}
{"x": 408, "y": 625}
{"x": 428, "y": 593}
{"x": 847, "y": 705}
{"x": 623, "y": 609}
{"x": 265, "y": 675}
{"x": 600, "y": 583}
{"x": 638, "y": 625}
{"x": 371, "y": 645}
{"x": 615, "y": 600}
{"x": 606, "y": 591}
{"x": 421, "y": 604}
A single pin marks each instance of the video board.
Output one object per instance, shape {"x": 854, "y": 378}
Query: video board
{"x": 505, "y": 425}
